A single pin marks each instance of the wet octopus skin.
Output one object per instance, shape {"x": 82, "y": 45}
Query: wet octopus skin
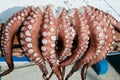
{"x": 110, "y": 35}
{"x": 108, "y": 47}
{"x": 49, "y": 38}
{"x": 90, "y": 25}
{"x": 77, "y": 66}
{"x": 82, "y": 30}
{"x": 94, "y": 49}
{"x": 11, "y": 27}
{"x": 66, "y": 34}
{"x": 109, "y": 29}
{"x": 112, "y": 20}
{"x": 103, "y": 53}
{"x": 29, "y": 39}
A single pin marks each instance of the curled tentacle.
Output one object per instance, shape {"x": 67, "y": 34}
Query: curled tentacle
{"x": 82, "y": 30}
{"x": 97, "y": 40}
{"x": 112, "y": 20}
{"x": 110, "y": 38}
{"x": 29, "y": 38}
{"x": 65, "y": 34}
{"x": 49, "y": 33}
{"x": 11, "y": 27}
{"x": 93, "y": 29}
{"x": 2, "y": 38}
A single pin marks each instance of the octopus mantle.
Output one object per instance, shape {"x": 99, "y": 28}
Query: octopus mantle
{"x": 81, "y": 36}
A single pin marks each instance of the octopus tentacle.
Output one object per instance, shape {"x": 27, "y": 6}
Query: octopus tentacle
{"x": 84, "y": 71}
{"x": 95, "y": 47}
{"x": 110, "y": 40}
{"x": 65, "y": 34}
{"x": 108, "y": 44}
{"x": 2, "y": 38}
{"x": 85, "y": 37}
{"x": 29, "y": 38}
{"x": 82, "y": 30}
{"x": 49, "y": 33}
{"x": 11, "y": 27}
{"x": 112, "y": 20}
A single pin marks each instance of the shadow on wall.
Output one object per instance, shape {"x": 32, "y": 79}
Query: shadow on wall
{"x": 8, "y": 13}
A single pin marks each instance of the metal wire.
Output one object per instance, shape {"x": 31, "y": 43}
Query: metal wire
{"x": 112, "y": 8}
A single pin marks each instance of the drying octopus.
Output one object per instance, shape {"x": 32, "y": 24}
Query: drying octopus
{"x": 81, "y": 37}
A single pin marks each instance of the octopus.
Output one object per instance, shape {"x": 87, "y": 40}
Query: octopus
{"x": 79, "y": 37}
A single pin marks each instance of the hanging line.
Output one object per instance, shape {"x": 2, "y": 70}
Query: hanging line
{"x": 112, "y": 8}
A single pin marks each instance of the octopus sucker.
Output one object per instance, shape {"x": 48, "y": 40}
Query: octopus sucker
{"x": 2, "y": 38}
{"x": 81, "y": 37}
{"x": 98, "y": 53}
{"x": 93, "y": 46}
{"x": 30, "y": 35}
{"x": 113, "y": 21}
{"x": 104, "y": 52}
{"x": 65, "y": 34}
{"x": 94, "y": 60}
{"x": 10, "y": 29}
{"x": 48, "y": 51}
{"x": 81, "y": 29}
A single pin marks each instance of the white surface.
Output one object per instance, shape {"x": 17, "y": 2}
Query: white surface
{"x": 16, "y": 4}
{"x": 33, "y": 73}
